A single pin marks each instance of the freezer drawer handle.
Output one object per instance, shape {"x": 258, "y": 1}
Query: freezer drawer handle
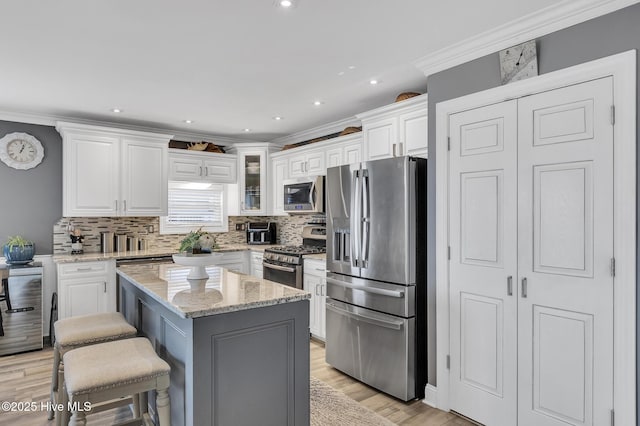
{"x": 374, "y": 290}
{"x": 278, "y": 267}
{"x": 395, "y": 325}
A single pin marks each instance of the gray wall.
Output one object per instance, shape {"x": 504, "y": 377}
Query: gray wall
{"x": 31, "y": 200}
{"x": 604, "y": 36}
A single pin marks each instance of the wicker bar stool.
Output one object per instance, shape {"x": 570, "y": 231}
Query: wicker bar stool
{"x": 76, "y": 332}
{"x": 112, "y": 370}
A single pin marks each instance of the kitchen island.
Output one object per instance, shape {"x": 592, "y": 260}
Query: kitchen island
{"x": 238, "y": 346}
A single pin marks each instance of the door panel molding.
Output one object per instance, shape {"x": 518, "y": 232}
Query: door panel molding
{"x": 622, "y": 67}
{"x": 552, "y": 232}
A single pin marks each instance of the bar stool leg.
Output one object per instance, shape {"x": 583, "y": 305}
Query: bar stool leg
{"x": 54, "y": 382}
{"x": 136, "y": 405}
{"x": 78, "y": 419}
{"x": 63, "y": 416}
{"x": 162, "y": 404}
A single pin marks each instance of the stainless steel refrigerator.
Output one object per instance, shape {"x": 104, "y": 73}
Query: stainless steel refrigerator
{"x": 376, "y": 274}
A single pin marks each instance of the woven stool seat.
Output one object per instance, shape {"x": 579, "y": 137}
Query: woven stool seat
{"x": 89, "y": 329}
{"x": 111, "y": 371}
{"x": 105, "y": 365}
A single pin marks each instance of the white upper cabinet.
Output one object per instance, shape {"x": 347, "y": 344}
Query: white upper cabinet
{"x": 344, "y": 150}
{"x": 307, "y": 163}
{"x": 396, "y": 130}
{"x": 202, "y": 166}
{"x": 279, "y": 173}
{"x": 143, "y": 172}
{"x": 253, "y": 188}
{"x": 113, "y": 172}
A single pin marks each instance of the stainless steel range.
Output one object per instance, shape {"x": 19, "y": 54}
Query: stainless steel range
{"x": 283, "y": 264}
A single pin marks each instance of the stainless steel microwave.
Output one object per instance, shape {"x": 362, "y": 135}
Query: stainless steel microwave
{"x": 304, "y": 195}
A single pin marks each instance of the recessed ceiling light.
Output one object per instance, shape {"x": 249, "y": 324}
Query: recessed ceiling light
{"x": 246, "y": 130}
{"x": 188, "y": 121}
{"x": 317, "y": 103}
{"x": 352, "y": 67}
{"x": 116, "y": 110}
{"x": 277, "y": 118}
{"x": 341, "y": 73}
{"x": 286, "y": 3}
{"x": 373, "y": 82}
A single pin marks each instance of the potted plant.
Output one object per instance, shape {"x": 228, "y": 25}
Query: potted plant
{"x": 198, "y": 242}
{"x": 19, "y": 250}
{"x": 197, "y": 247}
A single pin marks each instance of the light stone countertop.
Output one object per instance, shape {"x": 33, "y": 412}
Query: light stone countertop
{"x": 90, "y": 257}
{"x": 223, "y": 292}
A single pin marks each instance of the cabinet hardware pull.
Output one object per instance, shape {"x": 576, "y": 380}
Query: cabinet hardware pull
{"x": 116, "y": 206}
{"x": 323, "y": 290}
{"x": 125, "y": 205}
{"x": 320, "y": 269}
{"x": 105, "y": 286}
{"x": 316, "y": 290}
{"x": 206, "y": 171}
{"x": 394, "y": 150}
{"x": 200, "y": 170}
{"x": 401, "y": 149}
{"x": 510, "y": 285}
{"x": 524, "y": 287}
{"x": 83, "y": 269}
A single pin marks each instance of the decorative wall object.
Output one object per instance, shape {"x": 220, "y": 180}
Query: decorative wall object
{"x": 519, "y": 62}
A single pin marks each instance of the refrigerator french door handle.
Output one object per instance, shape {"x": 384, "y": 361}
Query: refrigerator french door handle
{"x": 355, "y": 220}
{"x": 365, "y": 219}
{"x": 395, "y": 325}
{"x": 373, "y": 290}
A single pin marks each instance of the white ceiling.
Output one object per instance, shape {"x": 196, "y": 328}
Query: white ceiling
{"x": 227, "y": 65}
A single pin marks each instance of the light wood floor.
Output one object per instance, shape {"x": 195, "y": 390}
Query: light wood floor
{"x": 27, "y": 378}
{"x": 399, "y": 412}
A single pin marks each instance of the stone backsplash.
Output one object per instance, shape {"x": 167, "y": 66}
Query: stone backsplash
{"x": 289, "y": 231}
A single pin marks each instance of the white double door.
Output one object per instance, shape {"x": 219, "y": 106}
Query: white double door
{"x": 531, "y": 235}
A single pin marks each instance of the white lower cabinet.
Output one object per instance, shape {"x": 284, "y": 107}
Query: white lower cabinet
{"x": 315, "y": 282}
{"x": 86, "y": 288}
{"x": 256, "y": 263}
{"x": 235, "y": 261}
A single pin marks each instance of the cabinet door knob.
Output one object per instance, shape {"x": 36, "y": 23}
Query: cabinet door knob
{"x": 524, "y": 287}
{"x": 510, "y": 285}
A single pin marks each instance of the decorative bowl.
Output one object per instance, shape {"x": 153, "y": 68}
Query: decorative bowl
{"x": 197, "y": 262}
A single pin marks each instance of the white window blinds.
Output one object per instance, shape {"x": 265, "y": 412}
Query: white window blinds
{"x": 193, "y": 205}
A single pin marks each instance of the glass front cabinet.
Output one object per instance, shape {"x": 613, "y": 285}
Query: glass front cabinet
{"x": 252, "y": 180}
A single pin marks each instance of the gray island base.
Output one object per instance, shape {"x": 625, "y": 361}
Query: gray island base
{"x": 238, "y": 346}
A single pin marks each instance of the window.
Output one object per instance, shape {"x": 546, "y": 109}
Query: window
{"x": 193, "y": 205}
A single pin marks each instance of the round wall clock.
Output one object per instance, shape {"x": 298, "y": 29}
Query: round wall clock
{"x": 21, "y": 151}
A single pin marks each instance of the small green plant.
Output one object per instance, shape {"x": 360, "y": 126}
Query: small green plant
{"x": 198, "y": 242}
{"x": 18, "y": 241}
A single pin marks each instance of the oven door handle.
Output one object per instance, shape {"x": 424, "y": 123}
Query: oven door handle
{"x": 395, "y": 325}
{"x": 278, "y": 267}
{"x": 374, "y": 290}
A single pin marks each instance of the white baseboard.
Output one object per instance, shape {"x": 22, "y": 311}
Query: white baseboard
{"x": 430, "y": 395}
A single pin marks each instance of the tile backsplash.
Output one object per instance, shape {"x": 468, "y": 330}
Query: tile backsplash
{"x": 289, "y": 230}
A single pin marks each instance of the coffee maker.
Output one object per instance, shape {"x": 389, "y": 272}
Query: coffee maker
{"x": 261, "y": 233}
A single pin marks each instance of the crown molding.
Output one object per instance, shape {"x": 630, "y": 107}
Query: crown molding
{"x": 329, "y": 143}
{"x": 324, "y": 130}
{"x": 414, "y": 103}
{"x": 545, "y": 21}
{"x": 52, "y": 120}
